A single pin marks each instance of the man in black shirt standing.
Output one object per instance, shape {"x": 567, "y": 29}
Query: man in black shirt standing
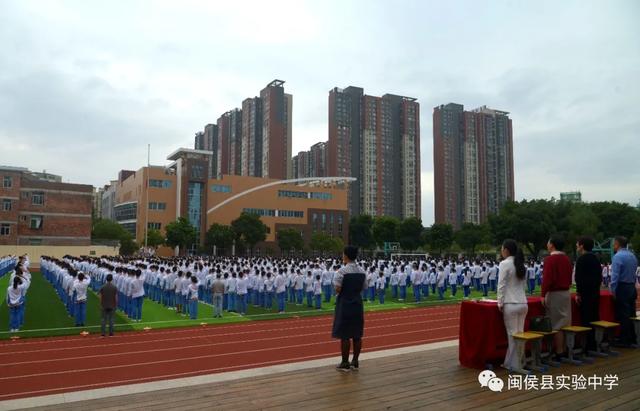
{"x": 588, "y": 281}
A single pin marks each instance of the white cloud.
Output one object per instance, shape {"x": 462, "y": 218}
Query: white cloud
{"x": 85, "y": 86}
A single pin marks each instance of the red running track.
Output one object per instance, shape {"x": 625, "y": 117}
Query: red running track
{"x": 54, "y": 365}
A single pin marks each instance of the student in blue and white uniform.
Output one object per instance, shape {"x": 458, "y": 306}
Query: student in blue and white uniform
{"x": 232, "y": 291}
{"x": 269, "y": 290}
{"x": 394, "y": 281}
{"x": 484, "y": 280}
{"x": 417, "y": 281}
{"x": 440, "y": 282}
{"x": 466, "y": 281}
{"x": 402, "y": 283}
{"x": 192, "y": 297}
{"x": 493, "y": 276}
{"x": 327, "y": 284}
{"x": 281, "y": 290}
{"x": 433, "y": 279}
{"x": 137, "y": 295}
{"x": 317, "y": 292}
{"x": 80, "y": 287}
{"x": 308, "y": 288}
{"x": 381, "y": 284}
{"x": 242, "y": 292}
{"x": 15, "y": 301}
{"x": 453, "y": 282}
{"x": 531, "y": 279}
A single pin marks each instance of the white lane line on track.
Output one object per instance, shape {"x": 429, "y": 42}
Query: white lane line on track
{"x": 211, "y": 332}
{"x": 210, "y": 345}
{"x": 236, "y": 324}
{"x": 202, "y": 357}
{"x": 217, "y": 370}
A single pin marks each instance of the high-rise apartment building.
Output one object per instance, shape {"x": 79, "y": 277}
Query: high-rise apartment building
{"x": 312, "y": 163}
{"x": 255, "y": 140}
{"x": 376, "y": 140}
{"x": 473, "y": 163}
{"x": 276, "y": 131}
{"x": 318, "y": 159}
{"x": 252, "y": 137}
{"x": 208, "y": 141}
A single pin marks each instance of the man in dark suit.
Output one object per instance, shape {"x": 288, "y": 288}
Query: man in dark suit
{"x": 588, "y": 282}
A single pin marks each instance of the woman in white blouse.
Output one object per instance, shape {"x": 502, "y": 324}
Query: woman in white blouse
{"x": 512, "y": 301}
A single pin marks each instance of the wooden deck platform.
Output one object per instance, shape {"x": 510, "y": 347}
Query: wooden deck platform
{"x": 415, "y": 381}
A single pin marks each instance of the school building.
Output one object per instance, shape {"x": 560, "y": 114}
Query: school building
{"x": 155, "y": 196}
{"x": 37, "y": 209}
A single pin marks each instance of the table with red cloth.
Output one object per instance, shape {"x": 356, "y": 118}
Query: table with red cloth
{"x": 483, "y": 337}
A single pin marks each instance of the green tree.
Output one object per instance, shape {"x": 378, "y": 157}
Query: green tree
{"x": 107, "y": 230}
{"x": 290, "y": 239}
{"x": 528, "y": 222}
{"x": 616, "y": 218}
{"x": 181, "y": 233}
{"x": 155, "y": 238}
{"x": 249, "y": 229}
{"x": 219, "y": 235}
{"x": 325, "y": 243}
{"x": 111, "y": 230}
{"x": 360, "y": 233}
{"x": 440, "y": 237}
{"x": 635, "y": 243}
{"x": 470, "y": 236}
{"x": 409, "y": 233}
{"x": 128, "y": 246}
{"x": 385, "y": 229}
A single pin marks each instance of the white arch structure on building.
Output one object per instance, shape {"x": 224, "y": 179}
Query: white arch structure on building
{"x": 275, "y": 183}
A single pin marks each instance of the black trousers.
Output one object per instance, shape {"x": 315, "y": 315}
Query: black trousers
{"x": 589, "y": 309}
{"x": 625, "y": 306}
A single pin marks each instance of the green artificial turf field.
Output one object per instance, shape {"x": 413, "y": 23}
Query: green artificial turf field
{"x": 46, "y": 315}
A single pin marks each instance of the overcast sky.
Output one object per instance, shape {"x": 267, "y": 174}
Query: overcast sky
{"x": 86, "y": 85}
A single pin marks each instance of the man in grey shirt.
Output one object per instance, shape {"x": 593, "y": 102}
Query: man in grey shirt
{"x": 217, "y": 289}
{"x": 108, "y": 302}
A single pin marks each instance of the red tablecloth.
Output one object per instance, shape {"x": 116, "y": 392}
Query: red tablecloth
{"x": 483, "y": 338}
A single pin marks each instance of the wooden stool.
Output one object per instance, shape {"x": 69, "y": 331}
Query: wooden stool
{"x": 547, "y": 338}
{"x": 570, "y": 341}
{"x": 534, "y": 361}
{"x": 636, "y": 324}
{"x": 603, "y": 349}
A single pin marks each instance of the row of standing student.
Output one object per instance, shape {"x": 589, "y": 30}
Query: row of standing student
{"x": 16, "y": 296}
{"x": 7, "y": 264}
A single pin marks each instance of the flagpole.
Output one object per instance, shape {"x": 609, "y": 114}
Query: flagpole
{"x": 146, "y": 205}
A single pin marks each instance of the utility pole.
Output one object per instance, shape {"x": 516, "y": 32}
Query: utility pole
{"x": 146, "y": 202}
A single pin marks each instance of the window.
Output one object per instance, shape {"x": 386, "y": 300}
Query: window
{"x": 7, "y": 182}
{"x": 5, "y": 229}
{"x": 35, "y": 222}
{"x": 6, "y": 204}
{"x": 157, "y": 206}
{"x": 290, "y": 213}
{"x": 24, "y": 195}
{"x": 197, "y": 171}
{"x": 321, "y": 196}
{"x": 154, "y": 226}
{"x": 159, "y": 183}
{"x": 292, "y": 194}
{"x": 220, "y": 188}
{"x": 194, "y": 204}
{"x": 263, "y": 212}
{"x": 35, "y": 241}
{"x": 23, "y": 218}
{"x": 37, "y": 199}
{"x": 124, "y": 212}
